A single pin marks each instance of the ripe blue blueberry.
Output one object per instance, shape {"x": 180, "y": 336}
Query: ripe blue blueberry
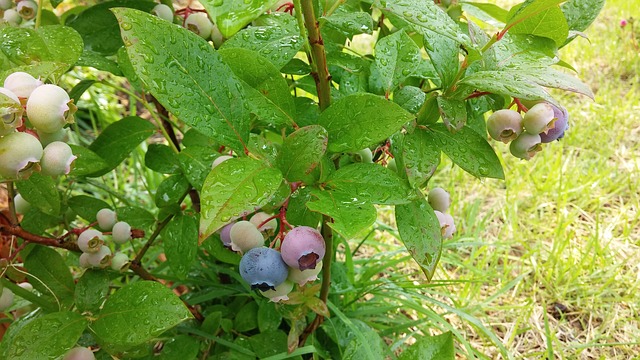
{"x": 263, "y": 268}
{"x": 560, "y": 126}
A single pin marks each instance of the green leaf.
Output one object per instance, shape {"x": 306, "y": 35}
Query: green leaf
{"x": 492, "y": 10}
{"x": 549, "y": 23}
{"x": 268, "y": 344}
{"x": 162, "y": 159}
{"x": 41, "y": 192}
{"x": 99, "y": 62}
{"x": 52, "y": 43}
{"x": 282, "y": 33}
{"x": 99, "y": 27}
{"x": 453, "y": 112}
{"x": 195, "y": 162}
{"x": 233, "y": 15}
{"x": 350, "y": 216}
{"x": 235, "y": 187}
{"x": 47, "y": 337}
{"x": 46, "y": 70}
{"x": 213, "y": 245}
{"x": 137, "y": 313}
{"x": 87, "y": 206}
{"x": 188, "y": 76}
{"x": 171, "y": 190}
{"x": 87, "y": 162}
{"x": 120, "y": 138}
{"x": 361, "y": 120}
{"x": 79, "y": 89}
{"x": 298, "y": 213}
{"x": 581, "y": 13}
{"x": 438, "y": 347}
{"x": 409, "y": 98}
{"x": 137, "y": 217}
{"x": 269, "y": 318}
{"x": 92, "y": 290}
{"x": 35, "y": 221}
{"x": 420, "y": 232}
{"x": 178, "y": 348}
{"x": 180, "y": 239}
{"x": 469, "y": 150}
{"x": 508, "y": 83}
{"x": 268, "y": 93}
{"x": 517, "y": 51}
{"x": 529, "y": 9}
{"x": 552, "y": 78}
{"x": 55, "y": 3}
{"x": 247, "y": 317}
{"x": 301, "y": 152}
{"x": 397, "y": 58}
{"x": 349, "y": 23}
{"x": 444, "y": 54}
{"x": 369, "y": 183}
{"x": 419, "y": 157}
{"x": 49, "y": 274}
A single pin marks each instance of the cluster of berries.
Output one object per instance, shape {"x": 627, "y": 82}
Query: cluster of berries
{"x": 14, "y": 13}
{"x": 48, "y": 109}
{"x": 94, "y": 252}
{"x": 193, "y": 20}
{"x": 273, "y": 273}
{"x": 542, "y": 123}
{"x": 440, "y": 201}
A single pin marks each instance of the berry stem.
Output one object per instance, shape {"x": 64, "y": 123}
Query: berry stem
{"x": 38, "y": 15}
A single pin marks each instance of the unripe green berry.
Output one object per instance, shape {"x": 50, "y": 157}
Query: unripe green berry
{"x": 199, "y": 23}
{"x": 163, "y": 11}
{"x": 6, "y": 4}
{"x": 101, "y": 258}
{"x": 6, "y": 299}
{"x": 302, "y": 277}
{"x": 79, "y": 353}
{"x": 18, "y": 152}
{"x": 439, "y": 199}
{"x": 106, "y": 219}
{"x": 216, "y": 36}
{"x": 540, "y": 118}
{"x": 121, "y": 232}
{"x": 22, "y": 206}
{"x": 49, "y": 108}
{"x": 261, "y": 217}
{"x": 90, "y": 241}
{"x": 392, "y": 165}
{"x": 279, "y": 293}
{"x": 525, "y": 146}
{"x": 119, "y": 261}
{"x": 504, "y": 125}
{"x": 21, "y": 83}
{"x": 245, "y": 236}
{"x": 48, "y": 138}
{"x": 364, "y": 156}
{"x": 10, "y": 111}
{"x": 57, "y": 159}
{"x": 219, "y": 160}
{"x": 12, "y": 17}
{"x": 27, "y": 9}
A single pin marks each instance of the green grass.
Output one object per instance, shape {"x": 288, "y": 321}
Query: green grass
{"x": 549, "y": 260}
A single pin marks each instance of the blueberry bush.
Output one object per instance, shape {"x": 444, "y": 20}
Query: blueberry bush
{"x": 216, "y": 214}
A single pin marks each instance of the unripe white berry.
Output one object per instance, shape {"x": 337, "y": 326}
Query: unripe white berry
{"x": 439, "y": 199}
{"x": 119, "y": 261}
{"x": 447, "y": 226}
{"x": 526, "y": 146}
{"x": 21, "y": 84}
{"x": 540, "y": 118}
{"x": 6, "y": 4}
{"x": 79, "y": 353}
{"x": 261, "y": 217}
{"x": 27, "y": 9}
{"x": 245, "y": 236}
{"x": 121, "y": 232}
{"x": 280, "y": 292}
{"x": 216, "y": 36}
{"x": 27, "y": 286}
{"x": 49, "y": 108}
{"x": 302, "y": 277}
{"x": 84, "y": 261}
{"x": 365, "y": 156}
{"x": 18, "y": 151}
{"x": 57, "y": 159}
{"x": 163, "y": 11}
{"x": 48, "y": 138}
{"x": 504, "y": 125}
{"x": 22, "y": 206}
{"x": 200, "y": 24}
{"x": 392, "y": 165}
{"x": 6, "y": 299}
{"x": 90, "y": 241}
{"x": 219, "y": 160}
{"x": 12, "y": 17}
{"x": 10, "y": 111}
{"x": 100, "y": 259}
{"x": 106, "y": 219}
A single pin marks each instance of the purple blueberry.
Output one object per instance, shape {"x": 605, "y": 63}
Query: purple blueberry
{"x": 302, "y": 248}
{"x": 560, "y": 126}
{"x": 263, "y": 268}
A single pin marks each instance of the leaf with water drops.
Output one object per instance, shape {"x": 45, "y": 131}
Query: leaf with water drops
{"x": 420, "y": 232}
{"x": 549, "y": 23}
{"x": 54, "y": 279}
{"x": 54, "y": 43}
{"x": 453, "y": 112}
{"x": 46, "y": 337}
{"x": 41, "y": 192}
{"x": 233, "y": 15}
{"x": 92, "y": 290}
{"x": 162, "y": 158}
{"x": 444, "y": 55}
{"x": 581, "y": 13}
{"x": 438, "y": 347}
{"x": 350, "y": 216}
{"x": 371, "y": 183}
{"x": 180, "y": 240}
{"x": 349, "y": 23}
{"x": 503, "y": 82}
{"x": 418, "y": 157}
{"x": 171, "y": 190}
{"x": 268, "y": 93}
{"x": 361, "y": 120}
{"x": 187, "y": 76}
{"x": 301, "y": 153}
{"x": 298, "y": 213}
{"x": 467, "y": 149}
{"x": 235, "y": 187}
{"x": 529, "y": 9}
{"x": 195, "y": 162}
{"x": 279, "y": 40}
{"x": 149, "y": 305}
